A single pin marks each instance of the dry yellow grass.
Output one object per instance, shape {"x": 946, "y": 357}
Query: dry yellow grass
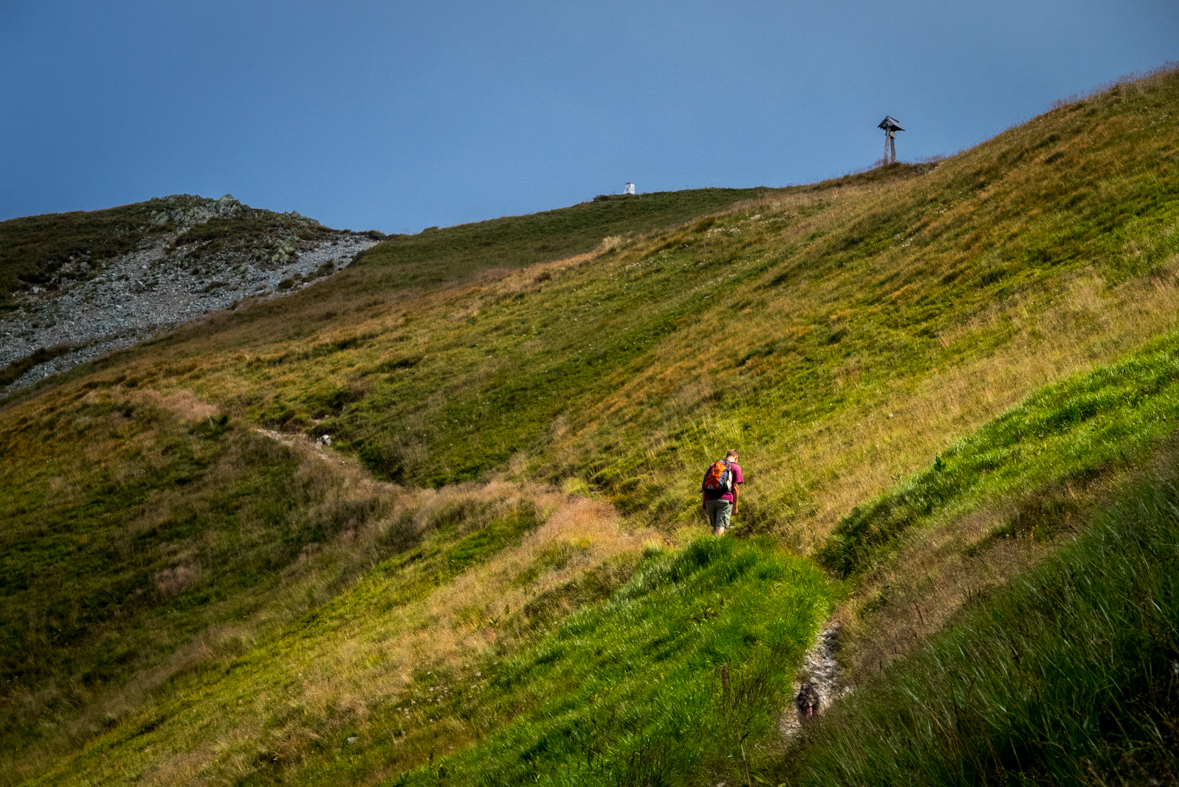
{"x": 382, "y": 655}
{"x": 383, "y": 650}
{"x": 1078, "y": 324}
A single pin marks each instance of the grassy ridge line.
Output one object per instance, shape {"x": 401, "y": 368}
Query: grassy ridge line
{"x": 420, "y": 263}
{"x": 435, "y": 256}
{"x": 1068, "y": 677}
{"x": 1068, "y": 432}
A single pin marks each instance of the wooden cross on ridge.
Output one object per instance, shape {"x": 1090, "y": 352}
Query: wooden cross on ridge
{"x": 891, "y": 127}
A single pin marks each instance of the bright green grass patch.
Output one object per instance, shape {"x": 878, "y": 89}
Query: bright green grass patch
{"x": 1070, "y": 431}
{"x": 634, "y": 686}
{"x": 598, "y": 697}
{"x": 1070, "y": 677}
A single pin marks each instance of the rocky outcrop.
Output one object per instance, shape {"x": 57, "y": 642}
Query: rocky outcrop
{"x": 213, "y": 255}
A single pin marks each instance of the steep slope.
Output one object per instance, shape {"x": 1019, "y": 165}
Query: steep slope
{"x": 863, "y": 341}
{"x": 182, "y": 535}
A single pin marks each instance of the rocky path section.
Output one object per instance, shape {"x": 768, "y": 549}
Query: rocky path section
{"x": 169, "y": 280}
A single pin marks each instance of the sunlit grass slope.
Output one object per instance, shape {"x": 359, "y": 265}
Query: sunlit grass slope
{"x": 249, "y": 602}
{"x": 628, "y": 685}
{"x": 150, "y": 538}
{"x": 494, "y": 568}
{"x": 153, "y": 548}
{"x": 1067, "y": 677}
{"x": 1072, "y": 431}
{"x": 842, "y": 335}
{"x": 265, "y": 603}
{"x": 435, "y": 256}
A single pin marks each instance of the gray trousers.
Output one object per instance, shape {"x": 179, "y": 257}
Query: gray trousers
{"x": 719, "y": 512}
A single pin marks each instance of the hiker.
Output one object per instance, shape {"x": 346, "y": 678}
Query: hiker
{"x": 719, "y": 491}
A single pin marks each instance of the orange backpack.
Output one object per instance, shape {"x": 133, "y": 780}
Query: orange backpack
{"x": 719, "y": 477}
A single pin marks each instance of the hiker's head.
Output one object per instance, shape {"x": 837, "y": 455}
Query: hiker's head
{"x": 731, "y": 455}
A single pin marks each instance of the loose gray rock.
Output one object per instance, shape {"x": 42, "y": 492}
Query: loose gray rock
{"x": 160, "y": 286}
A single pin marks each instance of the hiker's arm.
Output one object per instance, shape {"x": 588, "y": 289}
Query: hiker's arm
{"x": 736, "y": 495}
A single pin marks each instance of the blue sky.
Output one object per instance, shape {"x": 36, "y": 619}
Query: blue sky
{"x": 397, "y": 116}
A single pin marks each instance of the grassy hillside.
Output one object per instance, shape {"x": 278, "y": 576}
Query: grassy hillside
{"x": 436, "y": 256}
{"x": 939, "y": 300}
{"x": 934, "y": 374}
